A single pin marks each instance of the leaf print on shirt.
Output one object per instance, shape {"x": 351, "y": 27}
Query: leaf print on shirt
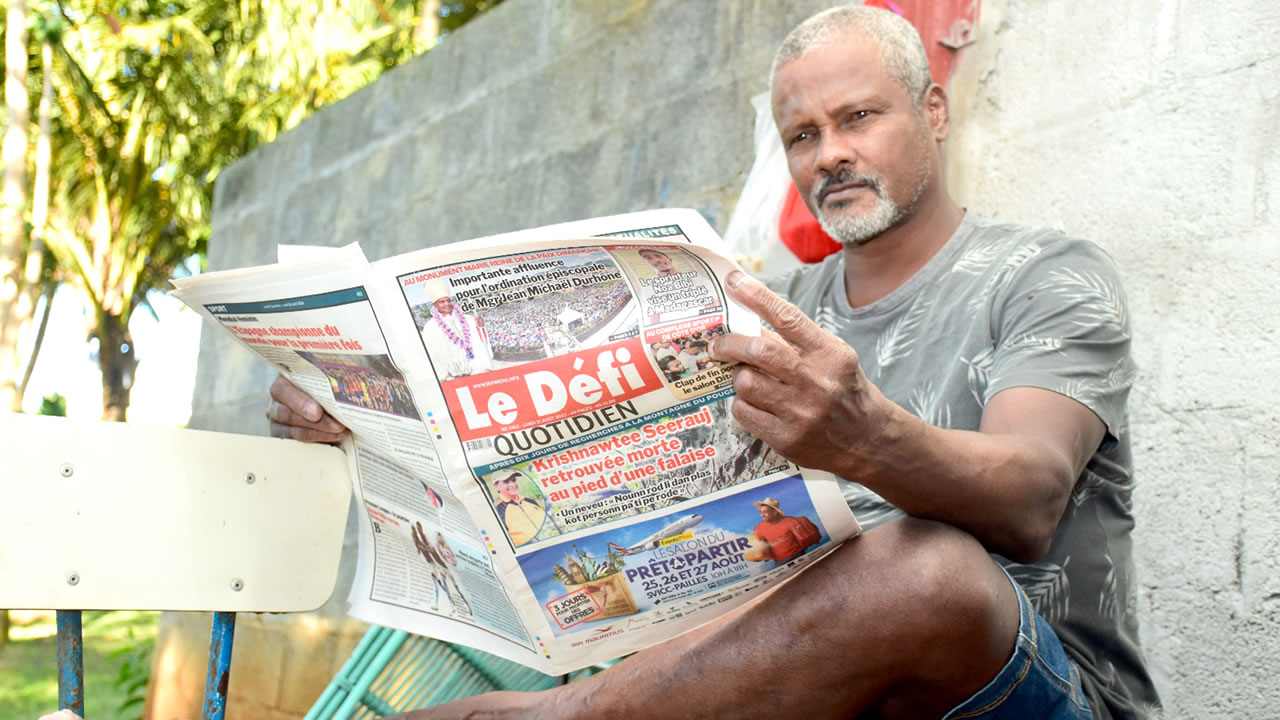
{"x": 1050, "y": 344}
{"x": 1109, "y": 602}
{"x": 828, "y": 320}
{"x": 899, "y": 339}
{"x": 1087, "y": 487}
{"x": 978, "y": 258}
{"x": 1101, "y": 301}
{"x": 1078, "y": 390}
{"x": 1121, "y": 375}
{"x": 868, "y": 507}
{"x": 923, "y": 403}
{"x": 1046, "y": 586}
{"x": 1017, "y": 259}
{"x": 980, "y": 374}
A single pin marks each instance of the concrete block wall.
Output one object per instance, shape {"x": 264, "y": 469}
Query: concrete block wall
{"x": 1149, "y": 126}
{"x": 1153, "y": 128}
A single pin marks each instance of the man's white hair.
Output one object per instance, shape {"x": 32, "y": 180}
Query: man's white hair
{"x": 900, "y": 48}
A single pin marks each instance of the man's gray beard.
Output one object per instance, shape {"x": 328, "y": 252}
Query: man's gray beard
{"x": 853, "y": 230}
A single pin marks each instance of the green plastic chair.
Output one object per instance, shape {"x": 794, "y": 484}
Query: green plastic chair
{"x": 392, "y": 671}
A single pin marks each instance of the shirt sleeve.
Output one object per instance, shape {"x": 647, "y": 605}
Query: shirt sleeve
{"x": 1061, "y": 323}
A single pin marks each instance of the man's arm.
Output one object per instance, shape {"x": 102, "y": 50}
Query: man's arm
{"x": 802, "y": 391}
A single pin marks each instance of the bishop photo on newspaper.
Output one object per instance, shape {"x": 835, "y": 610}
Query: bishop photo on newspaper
{"x": 543, "y": 458}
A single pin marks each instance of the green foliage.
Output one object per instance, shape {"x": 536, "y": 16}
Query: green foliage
{"x": 134, "y": 674}
{"x": 55, "y": 405}
{"x": 454, "y": 15}
{"x": 29, "y": 667}
{"x": 154, "y": 98}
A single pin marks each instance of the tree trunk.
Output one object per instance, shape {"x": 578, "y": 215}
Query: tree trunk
{"x": 32, "y": 276}
{"x": 4, "y": 627}
{"x": 429, "y": 25}
{"x": 35, "y": 349}
{"x": 14, "y": 199}
{"x": 117, "y": 362}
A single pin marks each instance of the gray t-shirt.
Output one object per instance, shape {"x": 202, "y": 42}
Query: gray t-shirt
{"x": 1003, "y": 306}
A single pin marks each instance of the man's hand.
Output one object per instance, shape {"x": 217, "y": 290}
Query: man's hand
{"x": 296, "y": 416}
{"x": 800, "y": 389}
{"x": 61, "y": 715}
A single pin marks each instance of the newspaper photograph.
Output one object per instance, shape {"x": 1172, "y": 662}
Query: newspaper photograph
{"x": 637, "y": 568}
{"x": 543, "y": 456}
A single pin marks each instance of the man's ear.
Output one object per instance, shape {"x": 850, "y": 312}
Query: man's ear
{"x": 934, "y": 106}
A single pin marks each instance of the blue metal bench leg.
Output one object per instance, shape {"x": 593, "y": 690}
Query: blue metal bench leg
{"x": 70, "y": 662}
{"x": 215, "y": 687}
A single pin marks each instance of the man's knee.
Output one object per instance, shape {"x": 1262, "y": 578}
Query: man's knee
{"x": 921, "y": 581}
{"x": 959, "y": 617}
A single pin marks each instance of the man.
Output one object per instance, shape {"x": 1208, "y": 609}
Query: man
{"x": 435, "y": 562}
{"x": 521, "y": 516}
{"x": 672, "y": 368}
{"x": 455, "y": 342}
{"x": 659, "y": 261}
{"x": 695, "y": 355}
{"x": 970, "y": 382}
{"x": 661, "y": 350}
{"x": 449, "y": 561}
{"x": 785, "y": 535}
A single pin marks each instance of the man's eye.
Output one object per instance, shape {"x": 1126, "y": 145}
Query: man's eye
{"x": 800, "y": 137}
{"x": 859, "y": 115}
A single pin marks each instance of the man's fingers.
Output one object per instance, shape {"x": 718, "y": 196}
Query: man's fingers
{"x": 760, "y": 423}
{"x": 785, "y": 318}
{"x": 307, "y": 435}
{"x": 771, "y": 335}
{"x": 296, "y": 416}
{"x": 290, "y": 396}
{"x": 761, "y": 390}
{"x": 283, "y": 414}
{"x": 769, "y": 353}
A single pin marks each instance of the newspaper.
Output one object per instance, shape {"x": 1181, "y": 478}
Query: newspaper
{"x": 541, "y": 447}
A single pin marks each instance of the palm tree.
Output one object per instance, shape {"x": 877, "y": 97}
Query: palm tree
{"x": 152, "y": 99}
{"x": 39, "y": 277}
{"x": 157, "y": 105}
{"x": 14, "y": 201}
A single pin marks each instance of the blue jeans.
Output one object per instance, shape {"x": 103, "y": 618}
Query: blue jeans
{"x": 1039, "y": 681}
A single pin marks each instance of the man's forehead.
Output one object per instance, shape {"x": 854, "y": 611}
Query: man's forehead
{"x": 852, "y": 68}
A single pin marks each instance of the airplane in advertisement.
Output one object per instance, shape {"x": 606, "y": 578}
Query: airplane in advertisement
{"x": 656, "y": 539}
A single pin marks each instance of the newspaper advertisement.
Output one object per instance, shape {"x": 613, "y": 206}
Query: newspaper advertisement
{"x": 543, "y": 455}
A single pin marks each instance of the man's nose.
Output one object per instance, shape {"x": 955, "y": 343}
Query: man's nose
{"x": 833, "y": 152}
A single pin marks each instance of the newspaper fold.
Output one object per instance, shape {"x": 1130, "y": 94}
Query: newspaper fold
{"x": 542, "y": 449}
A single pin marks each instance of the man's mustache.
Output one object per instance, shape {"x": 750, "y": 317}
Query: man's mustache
{"x": 842, "y": 178}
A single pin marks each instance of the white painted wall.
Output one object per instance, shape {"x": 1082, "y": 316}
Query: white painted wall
{"x": 1153, "y": 127}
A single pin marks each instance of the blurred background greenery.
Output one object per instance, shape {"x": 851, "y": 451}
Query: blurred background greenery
{"x": 117, "y": 648}
{"x": 119, "y": 116}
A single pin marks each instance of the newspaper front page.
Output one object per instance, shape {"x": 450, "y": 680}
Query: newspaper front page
{"x": 542, "y": 450}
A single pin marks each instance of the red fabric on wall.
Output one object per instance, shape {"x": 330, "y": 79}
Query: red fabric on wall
{"x": 800, "y": 230}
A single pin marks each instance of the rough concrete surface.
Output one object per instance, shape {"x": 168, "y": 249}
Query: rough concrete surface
{"x": 1152, "y": 127}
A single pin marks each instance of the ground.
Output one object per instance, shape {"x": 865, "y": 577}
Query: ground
{"x": 29, "y": 664}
